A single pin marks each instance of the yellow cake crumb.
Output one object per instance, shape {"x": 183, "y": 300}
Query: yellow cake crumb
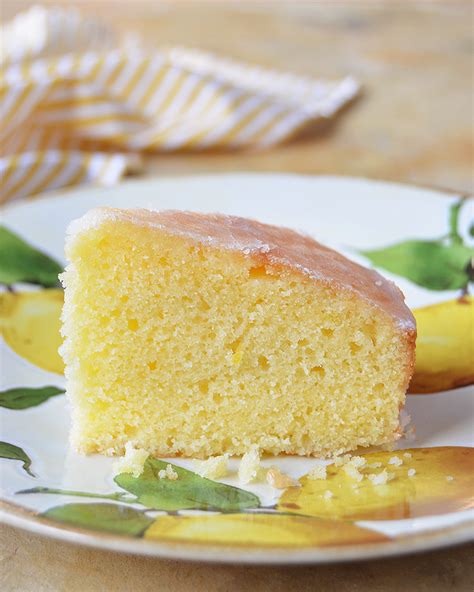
{"x": 279, "y": 480}
{"x": 318, "y": 472}
{"x": 249, "y": 466}
{"x": 381, "y": 478}
{"x": 342, "y": 460}
{"x": 358, "y": 461}
{"x": 168, "y": 473}
{"x": 351, "y": 466}
{"x": 352, "y": 472}
{"x": 214, "y": 467}
{"x": 132, "y": 462}
{"x": 411, "y": 472}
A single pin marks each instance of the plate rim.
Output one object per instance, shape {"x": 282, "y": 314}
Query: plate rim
{"x": 27, "y": 520}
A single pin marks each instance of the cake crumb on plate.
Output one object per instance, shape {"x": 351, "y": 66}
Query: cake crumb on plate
{"x": 168, "y": 473}
{"x": 279, "y": 480}
{"x": 133, "y": 461}
{"x": 214, "y": 467}
{"x": 381, "y": 478}
{"x": 249, "y": 466}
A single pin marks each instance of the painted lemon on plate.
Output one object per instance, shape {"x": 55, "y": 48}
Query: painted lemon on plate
{"x": 265, "y": 530}
{"x": 444, "y": 346}
{"x": 30, "y": 324}
{"x": 421, "y": 482}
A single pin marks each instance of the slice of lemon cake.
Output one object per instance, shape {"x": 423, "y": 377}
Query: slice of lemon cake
{"x": 199, "y": 335}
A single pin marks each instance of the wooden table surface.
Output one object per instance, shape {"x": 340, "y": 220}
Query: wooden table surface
{"x": 413, "y": 124}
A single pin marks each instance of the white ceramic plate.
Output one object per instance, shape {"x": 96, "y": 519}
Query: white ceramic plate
{"x": 351, "y": 215}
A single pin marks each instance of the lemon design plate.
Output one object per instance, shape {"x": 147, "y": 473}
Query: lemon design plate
{"x": 421, "y": 239}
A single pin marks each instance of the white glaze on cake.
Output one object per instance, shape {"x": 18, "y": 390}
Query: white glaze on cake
{"x": 276, "y": 246}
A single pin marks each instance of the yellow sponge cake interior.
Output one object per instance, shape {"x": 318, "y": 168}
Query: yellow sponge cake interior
{"x": 199, "y": 335}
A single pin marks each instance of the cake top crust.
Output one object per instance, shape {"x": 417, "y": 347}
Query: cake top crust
{"x": 274, "y": 245}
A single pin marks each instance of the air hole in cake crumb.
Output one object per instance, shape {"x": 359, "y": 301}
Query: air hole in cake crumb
{"x": 299, "y": 372}
{"x": 226, "y": 443}
{"x": 124, "y": 299}
{"x": 319, "y": 371}
{"x": 203, "y": 305}
{"x": 370, "y": 331}
{"x": 152, "y": 365}
{"x": 203, "y": 386}
{"x": 234, "y": 346}
{"x": 217, "y": 398}
{"x": 132, "y": 324}
{"x": 263, "y": 362}
{"x": 303, "y": 342}
{"x": 130, "y": 431}
{"x": 237, "y": 351}
{"x": 103, "y": 242}
{"x": 379, "y": 387}
{"x": 355, "y": 347}
{"x": 104, "y": 321}
{"x": 327, "y": 332}
{"x": 102, "y": 406}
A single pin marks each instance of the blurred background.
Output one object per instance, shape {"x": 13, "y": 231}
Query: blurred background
{"x": 412, "y": 121}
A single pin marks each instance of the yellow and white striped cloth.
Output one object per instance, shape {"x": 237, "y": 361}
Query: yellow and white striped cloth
{"x": 77, "y": 107}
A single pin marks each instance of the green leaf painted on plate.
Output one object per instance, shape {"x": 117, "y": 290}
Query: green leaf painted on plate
{"x": 431, "y": 264}
{"x": 20, "y": 262}
{"x": 188, "y": 491}
{"x": 23, "y": 397}
{"x": 100, "y": 516}
{"x": 13, "y": 452}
